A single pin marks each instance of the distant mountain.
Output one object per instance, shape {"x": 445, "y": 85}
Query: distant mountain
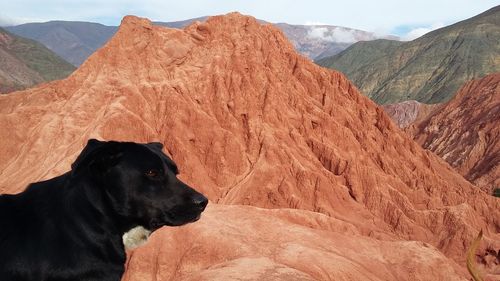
{"x": 429, "y": 69}
{"x": 76, "y": 41}
{"x": 319, "y": 41}
{"x": 24, "y": 63}
{"x": 73, "y": 41}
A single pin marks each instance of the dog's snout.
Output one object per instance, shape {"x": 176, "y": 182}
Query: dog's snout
{"x": 199, "y": 201}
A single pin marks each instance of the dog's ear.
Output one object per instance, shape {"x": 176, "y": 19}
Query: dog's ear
{"x": 92, "y": 145}
{"x": 155, "y": 145}
{"x": 97, "y": 157}
{"x": 169, "y": 162}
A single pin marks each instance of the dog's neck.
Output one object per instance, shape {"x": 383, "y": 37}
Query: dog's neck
{"x": 91, "y": 202}
{"x": 95, "y": 214}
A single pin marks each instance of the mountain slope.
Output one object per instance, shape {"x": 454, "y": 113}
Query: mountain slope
{"x": 429, "y": 69}
{"x": 24, "y": 63}
{"x": 360, "y": 54}
{"x": 251, "y": 122}
{"x": 466, "y": 133}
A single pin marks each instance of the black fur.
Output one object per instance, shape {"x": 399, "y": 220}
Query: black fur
{"x": 70, "y": 227}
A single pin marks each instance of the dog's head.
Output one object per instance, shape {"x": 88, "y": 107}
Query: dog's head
{"x": 140, "y": 183}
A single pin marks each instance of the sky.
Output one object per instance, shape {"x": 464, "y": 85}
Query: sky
{"x": 407, "y": 19}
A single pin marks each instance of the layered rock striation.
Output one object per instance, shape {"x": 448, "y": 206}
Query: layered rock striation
{"x": 466, "y": 132}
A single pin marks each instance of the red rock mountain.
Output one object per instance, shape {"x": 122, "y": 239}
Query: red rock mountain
{"x": 466, "y": 132}
{"x": 251, "y": 122}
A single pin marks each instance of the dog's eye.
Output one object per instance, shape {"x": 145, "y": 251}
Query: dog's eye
{"x": 152, "y": 173}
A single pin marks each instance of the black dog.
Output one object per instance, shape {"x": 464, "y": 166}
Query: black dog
{"x": 70, "y": 227}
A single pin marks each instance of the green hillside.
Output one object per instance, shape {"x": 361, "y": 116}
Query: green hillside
{"x": 429, "y": 69}
{"x": 26, "y": 62}
{"x": 72, "y": 40}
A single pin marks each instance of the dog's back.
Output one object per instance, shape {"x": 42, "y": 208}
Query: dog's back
{"x": 38, "y": 223}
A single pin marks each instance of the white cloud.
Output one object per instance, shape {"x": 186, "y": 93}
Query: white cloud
{"x": 417, "y": 32}
{"x": 315, "y": 23}
{"x": 381, "y": 32}
{"x": 332, "y": 35}
{"x": 317, "y": 32}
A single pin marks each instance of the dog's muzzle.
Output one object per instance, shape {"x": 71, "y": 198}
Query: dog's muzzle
{"x": 181, "y": 214}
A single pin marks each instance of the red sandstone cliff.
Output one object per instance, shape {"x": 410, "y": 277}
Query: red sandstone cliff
{"x": 466, "y": 132}
{"x": 249, "y": 121}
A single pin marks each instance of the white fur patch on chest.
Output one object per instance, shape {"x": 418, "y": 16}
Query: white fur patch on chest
{"x": 135, "y": 237}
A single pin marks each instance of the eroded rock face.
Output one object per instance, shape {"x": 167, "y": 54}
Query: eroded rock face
{"x": 466, "y": 132}
{"x": 251, "y": 122}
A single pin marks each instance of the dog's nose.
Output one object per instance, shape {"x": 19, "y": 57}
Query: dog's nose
{"x": 200, "y": 201}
